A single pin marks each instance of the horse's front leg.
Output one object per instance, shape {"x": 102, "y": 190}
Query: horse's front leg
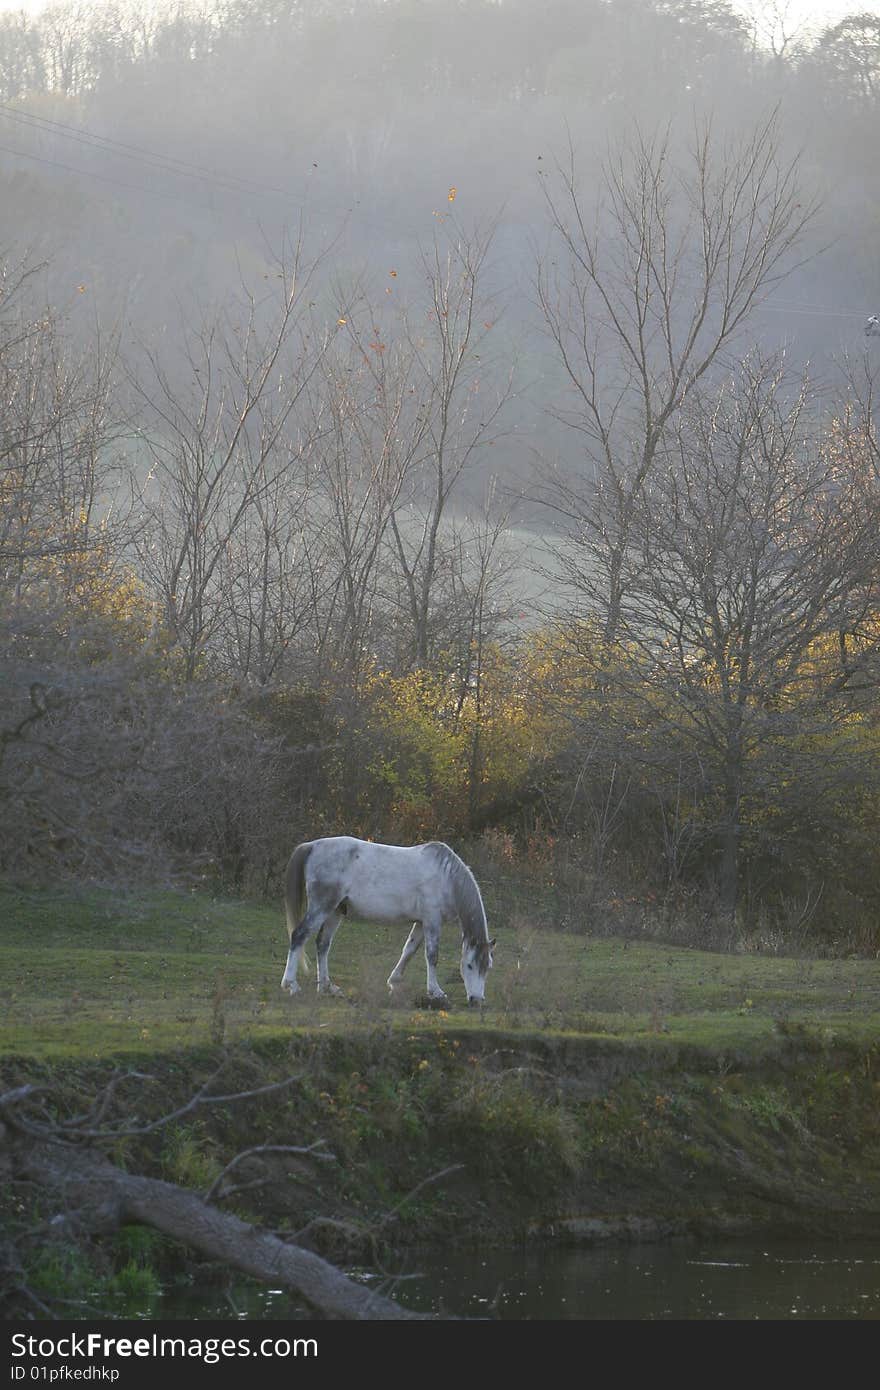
{"x": 432, "y": 953}
{"x": 312, "y": 922}
{"x": 325, "y": 937}
{"x": 411, "y": 945}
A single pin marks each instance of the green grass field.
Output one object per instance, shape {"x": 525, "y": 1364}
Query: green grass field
{"x": 91, "y": 973}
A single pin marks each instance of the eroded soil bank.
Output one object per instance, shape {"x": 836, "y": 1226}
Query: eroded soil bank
{"x": 496, "y": 1138}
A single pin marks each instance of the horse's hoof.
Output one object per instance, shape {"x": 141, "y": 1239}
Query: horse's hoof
{"x": 433, "y": 1001}
{"x": 330, "y": 989}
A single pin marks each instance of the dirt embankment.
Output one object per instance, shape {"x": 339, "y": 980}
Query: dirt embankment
{"x": 505, "y": 1136}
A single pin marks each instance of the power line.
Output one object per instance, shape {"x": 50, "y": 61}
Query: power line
{"x": 384, "y": 229}
{"x": 230, "y": 183}
{"x": 168, "y": 163}
{"x": 106, "y": 178}
{"x": 810, "y": 312}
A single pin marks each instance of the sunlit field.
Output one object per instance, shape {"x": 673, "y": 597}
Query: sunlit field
{"x": 92, "y": 973}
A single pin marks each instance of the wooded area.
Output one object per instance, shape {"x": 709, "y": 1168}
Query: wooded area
{"x": 582, "y": 574}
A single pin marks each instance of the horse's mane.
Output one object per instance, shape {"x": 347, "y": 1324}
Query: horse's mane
{"x": 468, "y": 899}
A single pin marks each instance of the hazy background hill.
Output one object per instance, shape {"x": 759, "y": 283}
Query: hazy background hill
{"x": 153, "y": 153}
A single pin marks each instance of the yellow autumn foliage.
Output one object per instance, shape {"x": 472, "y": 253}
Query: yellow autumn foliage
{"x": 74, "y": 570}
{"x": 450, "y": 746}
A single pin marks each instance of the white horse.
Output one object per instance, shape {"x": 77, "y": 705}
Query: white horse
{"x": 425, "y": 884}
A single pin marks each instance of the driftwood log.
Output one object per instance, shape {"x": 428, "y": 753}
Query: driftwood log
{"x": 95, "y": 1196}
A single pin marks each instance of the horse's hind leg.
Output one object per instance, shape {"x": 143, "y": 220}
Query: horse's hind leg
{"x": 412, "y": 944}
{"x": 325, "y": 938}
{"x": 311, "y": 923}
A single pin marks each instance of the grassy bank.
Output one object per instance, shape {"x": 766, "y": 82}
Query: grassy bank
{"x": 610, "y": 1090}
{"x": 94, "y": 973}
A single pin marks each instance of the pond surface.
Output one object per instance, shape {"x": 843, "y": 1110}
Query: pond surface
{"x": 683, "y": 1280}
{"x": 676, "y": 1281}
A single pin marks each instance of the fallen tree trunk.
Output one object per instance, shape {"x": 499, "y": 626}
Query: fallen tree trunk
{"x": 95, "y": 1195}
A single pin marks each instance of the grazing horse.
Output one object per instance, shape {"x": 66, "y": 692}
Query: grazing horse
{"x": 422, "y": 884}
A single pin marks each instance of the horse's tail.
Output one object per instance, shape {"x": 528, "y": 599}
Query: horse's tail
{"x": 295, "y": 885}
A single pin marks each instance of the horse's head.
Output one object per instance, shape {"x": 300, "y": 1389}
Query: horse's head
{"x": 476, "y": 962}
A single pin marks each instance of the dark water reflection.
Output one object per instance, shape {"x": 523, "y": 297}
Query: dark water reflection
{"x": 682, "y": 1280}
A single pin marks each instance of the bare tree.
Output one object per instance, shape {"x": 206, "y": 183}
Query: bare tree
{"x": 271, "y": 579}
{"x": 751, "y": 548}
{"x": 222, "y": 442}
{"x": 70, "y": 614}
{"x": 855, "y": 439}
{"x": 63, "y": 519}
{"x": 857, "y": 413}
{"x": 847, "y": 57}
{"x": 778, "y": 31}
{"x": 458, "y": 412}
{"x": 643, "y": 293}
{"x": 371, "y": 436}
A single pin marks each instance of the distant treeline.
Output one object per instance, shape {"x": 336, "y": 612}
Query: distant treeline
{"x": 481, "y": 48}
{"x": 150, "y": 150}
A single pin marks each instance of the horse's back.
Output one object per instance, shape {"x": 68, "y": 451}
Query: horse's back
{"x": 347, "y": 849}
{"x": 381, "y": 881}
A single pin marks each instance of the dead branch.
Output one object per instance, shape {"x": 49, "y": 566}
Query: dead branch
{"x": 310, "y": 1149}
{"x": 393, "y": 1214}
{"x": 96, "y": 1196}
{"x": 79, "y": 1127}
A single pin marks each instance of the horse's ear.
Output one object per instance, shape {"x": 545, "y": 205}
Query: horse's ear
{"x": 492, "y": 942}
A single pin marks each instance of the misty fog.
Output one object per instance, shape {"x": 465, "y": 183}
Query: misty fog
{"x": 155, "y": 157}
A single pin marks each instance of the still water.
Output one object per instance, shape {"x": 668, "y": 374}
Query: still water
{"x": 682, "y": 1280}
